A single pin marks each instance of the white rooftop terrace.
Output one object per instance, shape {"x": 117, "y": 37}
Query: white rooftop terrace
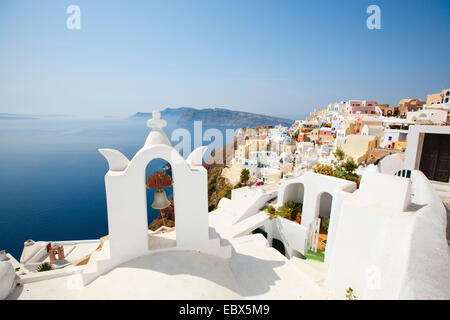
{"x": 255, "y": 271}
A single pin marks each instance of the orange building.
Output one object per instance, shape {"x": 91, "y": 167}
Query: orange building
{"x": 388, "y": 111}
{"x": 406, "y": 105}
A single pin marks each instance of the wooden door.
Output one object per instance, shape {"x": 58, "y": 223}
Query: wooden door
{"x": 435, "y": 159}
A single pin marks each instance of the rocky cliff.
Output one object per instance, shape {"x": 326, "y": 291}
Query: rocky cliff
{"x": 218, "y": 117}
{"x": 166, "y": 217}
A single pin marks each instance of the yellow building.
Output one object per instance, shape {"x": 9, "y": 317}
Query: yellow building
{"x": 242, "y": 151}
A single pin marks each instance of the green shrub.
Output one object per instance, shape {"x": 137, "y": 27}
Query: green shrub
{"x": 245, "y": 175}
{"x": 284, "y": 212}
{"x": 45, "y": 267}
{"x": 344, "y": 171}
{"x": 350, "y": 166}
{"x": 339, "y": 154}
{"x": 271, "y": 210}
{"x": 291, "y": 211}
{"x": 353, "y": 177}
{"x": 340, "y": 173}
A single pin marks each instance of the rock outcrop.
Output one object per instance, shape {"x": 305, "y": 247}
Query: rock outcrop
{"x": 218, "y": 117}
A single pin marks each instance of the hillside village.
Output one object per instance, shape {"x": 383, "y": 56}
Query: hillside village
{"x": 360, "y": 132}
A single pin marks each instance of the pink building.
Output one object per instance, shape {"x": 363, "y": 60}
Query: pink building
{"x": 325, "y": 131}
{"x": 362, "y": 107}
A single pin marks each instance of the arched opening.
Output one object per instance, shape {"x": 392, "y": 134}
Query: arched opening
{"x": 260, "y": 230}
{"x": 325, "y": 202}
{"x": 160, "y": 222}
{"x": 278, "y": 244}
{"x": 293, "y": 201}
{"x": 294, "y": 192}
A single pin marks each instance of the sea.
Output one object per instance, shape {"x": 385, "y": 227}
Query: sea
{"x": 52, "y": 184}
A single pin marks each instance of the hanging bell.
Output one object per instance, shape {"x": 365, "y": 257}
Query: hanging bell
{"x": 160, "y": 200}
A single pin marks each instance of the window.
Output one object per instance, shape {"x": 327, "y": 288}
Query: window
{"x": 447, "y": 93}
{"x": 446, "y": 100}
{"x": 390, "y": 138}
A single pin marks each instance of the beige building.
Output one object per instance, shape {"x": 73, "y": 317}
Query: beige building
{"x": 314, "y": 134}
{"x": 317, "y": 115}
{"x": 346, "y": 128}
{"x": 358, "y": 146}
{"x": 439, "y": 98}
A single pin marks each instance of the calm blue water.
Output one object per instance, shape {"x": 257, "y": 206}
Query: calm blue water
{"x": 52, "y": 176}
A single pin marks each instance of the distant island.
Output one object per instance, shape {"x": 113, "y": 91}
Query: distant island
{"x": 215, "y": 117}
{"x": 21, "y": 116}
{"x": 11, "y": 116}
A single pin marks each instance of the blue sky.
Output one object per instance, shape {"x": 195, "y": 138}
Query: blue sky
{"x": 272, "y": 57}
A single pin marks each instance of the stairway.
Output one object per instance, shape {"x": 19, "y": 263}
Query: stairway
{"x": 245, "y": 226}
{"x": 240, "y": 208}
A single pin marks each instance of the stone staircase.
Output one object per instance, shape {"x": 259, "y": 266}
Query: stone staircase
{"x": 218, "y": 241}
